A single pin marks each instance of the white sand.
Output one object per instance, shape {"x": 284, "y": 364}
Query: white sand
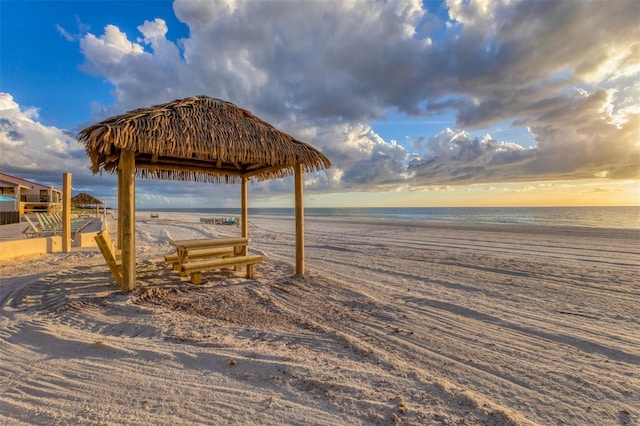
{"x": 395, "y": 322}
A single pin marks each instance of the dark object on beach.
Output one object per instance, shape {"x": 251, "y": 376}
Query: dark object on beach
{"x": 221, "y": 220}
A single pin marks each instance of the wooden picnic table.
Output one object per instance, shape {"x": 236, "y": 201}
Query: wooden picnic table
{"x": 183, "y": 247}
{"x": 221, "y": 253}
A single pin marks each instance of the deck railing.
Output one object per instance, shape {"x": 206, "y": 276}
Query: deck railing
{"x": 31, "y": 207}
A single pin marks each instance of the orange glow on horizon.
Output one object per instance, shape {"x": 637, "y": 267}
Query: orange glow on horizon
{"x": 597, "y": 192}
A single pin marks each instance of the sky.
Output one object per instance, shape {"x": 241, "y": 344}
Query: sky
{"x": 415, "y": 103}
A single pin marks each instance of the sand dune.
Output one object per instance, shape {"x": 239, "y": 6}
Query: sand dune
{"x": 395, "y": 322}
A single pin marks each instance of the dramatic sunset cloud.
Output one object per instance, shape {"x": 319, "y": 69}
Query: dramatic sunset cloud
{"x": 558, "y": 78}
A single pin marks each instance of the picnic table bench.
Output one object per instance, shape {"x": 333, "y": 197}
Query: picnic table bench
{"x": 217, "y": 252}
{"x": 174, "y": 259}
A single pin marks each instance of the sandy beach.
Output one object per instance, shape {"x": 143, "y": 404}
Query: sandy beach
{"x": 395, "y": 322}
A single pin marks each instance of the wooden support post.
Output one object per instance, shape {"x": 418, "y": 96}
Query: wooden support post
{"x": 127, "y": 166}
{"x": 66, "y": 212}
{"x": 299, "y": 209}
{"x": 119, "y": 233}
{"x": 244, "y": 221}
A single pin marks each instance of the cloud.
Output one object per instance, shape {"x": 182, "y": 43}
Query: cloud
{"x": 66, "y": 34}
{"x": 579, "y": 138}
{"x": 319, "y": 59}
{"x": 34, "y": 151}
{"x": 360, "y": 156}
{"x": 69, "y": 36}
{"x": 457, "y": 157}
{"x": 320, "y": 70}
{"x": 110, "y": 48}
{"x": 510, "y": 56}
{"x": 314, "y": 59}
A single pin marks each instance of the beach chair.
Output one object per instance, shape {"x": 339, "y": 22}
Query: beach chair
{"x": 55, "y": 218}
{"x": 32, "y": 230}
{"x": 111, "y": 255}
{"x": 48, "y": 226}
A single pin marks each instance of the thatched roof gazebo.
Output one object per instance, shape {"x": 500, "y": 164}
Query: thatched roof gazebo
{"x": 198, "y": 139}
{"x": 84, "y": 199}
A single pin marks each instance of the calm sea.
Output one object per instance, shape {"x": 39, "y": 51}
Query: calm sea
{"x": 598, "y": 217}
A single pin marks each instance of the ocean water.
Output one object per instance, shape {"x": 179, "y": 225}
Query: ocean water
{"x": 593, "y": 217}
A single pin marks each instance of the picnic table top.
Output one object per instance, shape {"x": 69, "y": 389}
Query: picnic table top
{"x": 209, "y": 242}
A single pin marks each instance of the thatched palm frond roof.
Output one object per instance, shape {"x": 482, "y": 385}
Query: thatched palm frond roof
{"x": 198, "y": 139}
{"x": 84, "y": 199}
